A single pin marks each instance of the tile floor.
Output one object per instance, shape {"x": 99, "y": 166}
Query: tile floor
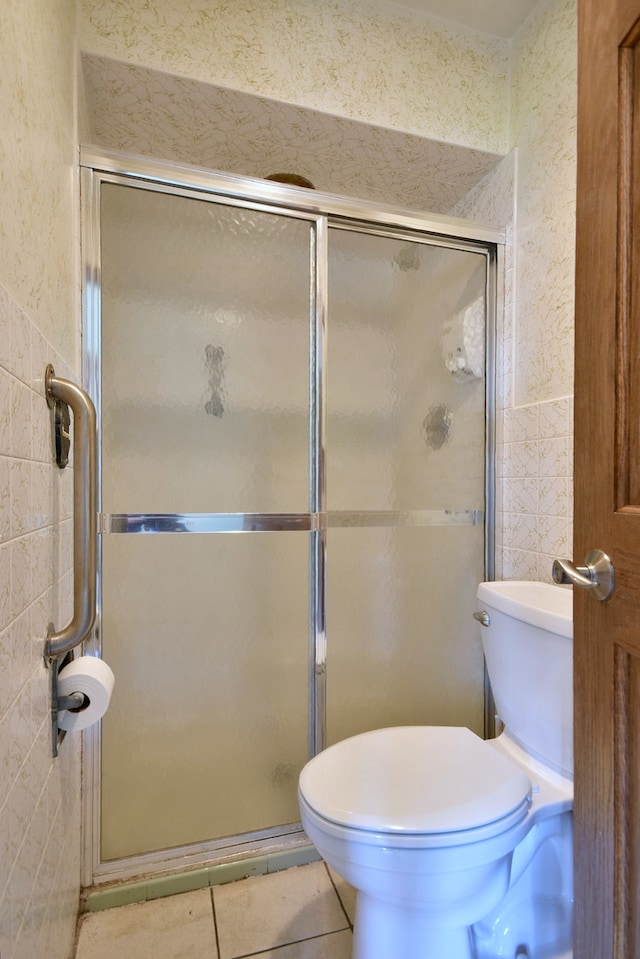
{"x": 300, "y": 913}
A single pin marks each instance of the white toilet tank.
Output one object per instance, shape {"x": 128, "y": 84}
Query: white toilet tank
{"x": 528, "y": 646}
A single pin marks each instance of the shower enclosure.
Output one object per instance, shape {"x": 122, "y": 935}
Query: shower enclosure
{"x": 295, "y": 410}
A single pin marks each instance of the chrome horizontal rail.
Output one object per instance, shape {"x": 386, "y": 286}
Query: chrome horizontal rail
{"x": 204, "y": 522}
{"x": 289, "y": 522}
{"x": 419, "y": 517}
{"x": 85, "y": 504}
{"x": 283, "y": 197}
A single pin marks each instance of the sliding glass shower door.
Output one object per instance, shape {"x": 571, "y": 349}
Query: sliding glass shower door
{"x": 293, "y": 410}
{"x": 207, "y": 326}
{"x": 405, "y": 483}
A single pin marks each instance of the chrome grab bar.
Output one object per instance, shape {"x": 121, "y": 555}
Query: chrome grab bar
{"x": 85, "y": 511}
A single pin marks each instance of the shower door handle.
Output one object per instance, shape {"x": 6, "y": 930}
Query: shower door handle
{"x": 85, "y": 511}
{"x": 596, "y": 575}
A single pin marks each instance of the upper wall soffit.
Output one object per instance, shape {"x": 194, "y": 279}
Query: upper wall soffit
{"x": 500, "y": 17}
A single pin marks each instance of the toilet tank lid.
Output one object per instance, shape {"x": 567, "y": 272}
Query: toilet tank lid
{"x": 539, "y": 604}
{"x": 413, "y": 779}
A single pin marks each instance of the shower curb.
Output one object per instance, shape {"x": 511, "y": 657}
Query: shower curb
{"x": 124, "y": 894}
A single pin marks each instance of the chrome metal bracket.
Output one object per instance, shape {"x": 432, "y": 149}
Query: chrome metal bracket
{"x": 74, "y": 701}
{"x": 61, "y": 419}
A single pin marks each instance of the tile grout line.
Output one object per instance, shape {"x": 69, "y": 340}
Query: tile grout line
{"x": 215, "y": 920}
{"x": 346, "y": 914}
{"x": 295, "y": 942}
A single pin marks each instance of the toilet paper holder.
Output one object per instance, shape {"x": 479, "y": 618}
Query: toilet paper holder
{"x": 74, "y": 701}
{"x": 81, "y": 688}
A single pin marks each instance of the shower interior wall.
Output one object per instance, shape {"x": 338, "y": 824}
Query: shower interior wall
{"x": 39, "y": 811}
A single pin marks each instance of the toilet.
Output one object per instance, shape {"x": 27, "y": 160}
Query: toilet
{"x": 461, "y": 848}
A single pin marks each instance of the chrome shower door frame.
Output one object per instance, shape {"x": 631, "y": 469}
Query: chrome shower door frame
{"x": 323, "y": 212}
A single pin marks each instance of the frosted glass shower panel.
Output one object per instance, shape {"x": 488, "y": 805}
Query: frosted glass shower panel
{"x": 207, "y": 728}
{"x": 404, "y": 648}
{"x": 323, "y": 380}
{"x": 205, "y": 355}
{"x": 406, "y": 380}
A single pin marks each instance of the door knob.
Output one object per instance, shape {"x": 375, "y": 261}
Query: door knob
{"x": 596, "y": 575}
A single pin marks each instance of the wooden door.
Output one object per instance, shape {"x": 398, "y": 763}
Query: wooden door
{"x": 607, "y": 489}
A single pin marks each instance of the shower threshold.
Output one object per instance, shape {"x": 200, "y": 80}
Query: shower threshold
{"x": 152, "y": 876}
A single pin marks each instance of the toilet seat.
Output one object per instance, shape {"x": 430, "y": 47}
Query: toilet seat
{"x": 451, "y": 781}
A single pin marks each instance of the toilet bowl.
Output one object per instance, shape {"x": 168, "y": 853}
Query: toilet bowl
{"x": 460, "y": 848}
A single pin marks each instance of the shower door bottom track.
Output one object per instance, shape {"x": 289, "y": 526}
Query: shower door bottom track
{"x": 232, "y": 857}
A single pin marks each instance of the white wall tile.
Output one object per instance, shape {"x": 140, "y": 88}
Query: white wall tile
{"x": 38, "y": 323}
{"x": 35, "y": 548}
{"x": 553, "y": 535}
{"x": 519, "y": 564}
{"x": 520, "y": 459}
{"x": 5, "y": 499}
{"x": 554, "y": 495}
{"x": 553, "y": 456}
{"x": 5, "y": 326}
{"x": 537, "y": 487}
{"x": 520, "y": 495}
{"x": 5, "y": 411}
{"x": 20, "y": 492}
{"x": 522, "y": 424}
{"x": 520, "y": 531}
{"x": 41, "y": 431}
{"x": 19, "y": 345}
{"x": 20, "y": 574}
{"x": 20, "y": 419}
{"x": 555, "y": 418}
{"x": 42, "y": 505}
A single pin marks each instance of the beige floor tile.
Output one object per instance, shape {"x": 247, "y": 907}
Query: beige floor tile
{"x": 338, "y": 945}
{"x": 178, "y": 927}
{"x": 265, "y": 912}
{"x": 346, "y": 892}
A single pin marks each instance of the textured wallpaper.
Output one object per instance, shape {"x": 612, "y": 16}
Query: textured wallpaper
{"x": 535, "y": 321}
{"x": 492, "y": 202}
{"x": 544, "y": 129}
{"x": 157, "y": 114}
{"x": 37, "y": 156}
{"x": 365, "y": 60}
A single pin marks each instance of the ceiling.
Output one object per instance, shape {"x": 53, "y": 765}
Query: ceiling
{"x": 500, "y": 17}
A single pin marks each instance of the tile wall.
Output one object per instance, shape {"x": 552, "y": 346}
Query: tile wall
{"x": 39, "y": 796}
{"x": 534, "y": 491}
